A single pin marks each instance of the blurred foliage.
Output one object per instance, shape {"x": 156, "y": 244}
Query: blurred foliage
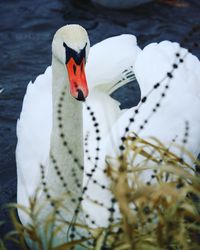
{"x": 161, "y": 214}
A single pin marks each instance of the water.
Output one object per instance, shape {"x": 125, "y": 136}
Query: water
{"x": 27, "y": 28}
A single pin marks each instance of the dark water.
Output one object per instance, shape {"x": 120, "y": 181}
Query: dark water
{"x": 26, "y": 31}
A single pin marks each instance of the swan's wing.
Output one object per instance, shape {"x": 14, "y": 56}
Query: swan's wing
{"x": 110, "y": 66}
{"x": 110, "y": 63}
{"x": 33, "y": 134}
{"x": 181, "y": 104}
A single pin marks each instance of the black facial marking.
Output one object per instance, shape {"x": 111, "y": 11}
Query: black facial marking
{"x": 78, "y": 57}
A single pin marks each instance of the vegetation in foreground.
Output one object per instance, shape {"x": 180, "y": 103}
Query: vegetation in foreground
{"x": 161, "y": 214}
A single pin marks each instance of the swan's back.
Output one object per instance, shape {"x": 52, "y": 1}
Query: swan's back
{"x": 33, "y": 133}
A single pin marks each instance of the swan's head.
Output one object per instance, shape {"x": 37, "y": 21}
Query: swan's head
{"x": 71, "y": 47}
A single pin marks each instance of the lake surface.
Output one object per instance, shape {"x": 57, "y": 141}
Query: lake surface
{"x": 26, "y": 31}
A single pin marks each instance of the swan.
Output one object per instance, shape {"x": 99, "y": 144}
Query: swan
{"x": 120, "y": 4}
{"x": 50, "y": 130}
{"x": 163, "y": 66}
{"x": 169, "y": 80}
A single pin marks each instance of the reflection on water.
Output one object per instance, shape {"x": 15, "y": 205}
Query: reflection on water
{"x": 27, "y": 28}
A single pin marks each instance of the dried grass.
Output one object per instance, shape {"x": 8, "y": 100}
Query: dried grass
{"x": 163, "y": 214}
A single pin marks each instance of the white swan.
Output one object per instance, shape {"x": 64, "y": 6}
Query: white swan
{"x": 36, "y": 134}
{"x": 120, "y": 4}
{"x": 169, "y": 79}
{"x": 168, "y": 122}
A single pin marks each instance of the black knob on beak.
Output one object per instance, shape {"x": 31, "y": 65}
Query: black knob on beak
{"x": 80, "y": 96}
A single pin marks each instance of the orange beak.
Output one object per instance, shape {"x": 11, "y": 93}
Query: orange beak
{"x": 77, "y": 79}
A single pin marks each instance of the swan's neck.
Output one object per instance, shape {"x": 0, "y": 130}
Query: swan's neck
{"x": 66, "y": 139}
